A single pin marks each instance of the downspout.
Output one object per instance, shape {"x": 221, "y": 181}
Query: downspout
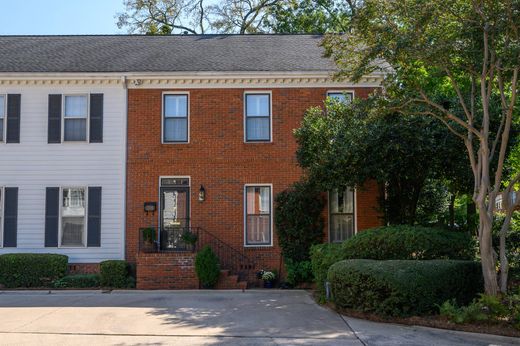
{"x": 125, "y": 141}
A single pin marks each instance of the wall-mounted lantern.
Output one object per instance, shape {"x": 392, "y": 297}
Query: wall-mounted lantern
{"x": 150, "y": 207}
{"x": 202, "y": 194}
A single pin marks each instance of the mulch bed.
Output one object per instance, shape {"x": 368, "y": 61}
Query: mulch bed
{"x": 504, "y": 329}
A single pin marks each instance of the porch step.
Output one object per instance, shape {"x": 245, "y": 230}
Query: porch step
{"x": 228, "y": 281}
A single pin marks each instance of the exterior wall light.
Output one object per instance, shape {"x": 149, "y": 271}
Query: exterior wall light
{"x": 150, "y": 207}
{"x": 202, "y": 194}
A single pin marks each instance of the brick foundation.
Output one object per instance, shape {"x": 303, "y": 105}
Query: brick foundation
{"x": 174, "y": 270}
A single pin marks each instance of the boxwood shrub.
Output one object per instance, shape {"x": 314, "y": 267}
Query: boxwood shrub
{"x": 322, "y": 257}
{"x": 409, "y": 242}
{"x": 403, "y": 287}
{"x": 115, "y": 274}
{"x": 78, "y": 281}
{"x": 207, "y": 267}
{"x": 31, "y": 270}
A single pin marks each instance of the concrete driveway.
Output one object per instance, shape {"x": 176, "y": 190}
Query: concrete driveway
{"x": 263, "y": 317}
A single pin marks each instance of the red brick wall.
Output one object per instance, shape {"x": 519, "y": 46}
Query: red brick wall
{"x": 175, "y": 270}
{"x": 218, "y": 159}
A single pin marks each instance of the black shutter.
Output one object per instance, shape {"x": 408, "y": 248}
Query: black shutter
{"x": 94, "y": 217}
{"x": 10, "y": 216}
{"x": 96, "y": 118}
{"x": 52, "y": 216}
{"x": 13, "y": 118}
{"x": 54, "y": 127}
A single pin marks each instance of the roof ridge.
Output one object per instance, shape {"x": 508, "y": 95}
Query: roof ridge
{"x": 171, "y": 35}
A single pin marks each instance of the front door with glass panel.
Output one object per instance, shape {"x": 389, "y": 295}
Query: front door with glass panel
{"x": 175, "y": 211}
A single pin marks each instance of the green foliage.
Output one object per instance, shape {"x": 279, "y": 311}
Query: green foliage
{"x": 116, "y": 274}
{"x": 207, "y": 267}
{"x": 31, "y": 270}
{"x": 409, "y": 242}
{"x": 512, "y": 243}
{"x": 403, "y": 287}
{"x": 298, "y": 272}
{"x": 189, "y": 237}
{"x": 298, "y": 219}
{"x": 149, "y": 234}
{"x": 322, "y": 257}
{"x": 78, "y": 281}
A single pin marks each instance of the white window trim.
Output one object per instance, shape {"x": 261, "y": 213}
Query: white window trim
{"x": 328, "y": 216}
{"x": 87, "y": 136}
{"x": 346, "y": 91}
{"x": 2, "y": 216}
{"x": 163, "y": 97}
{"x": 4, "y": 120}
{"x": 259, "y": 92}
{"x": 270, "y": 214}
{"x": 85, "y": 221}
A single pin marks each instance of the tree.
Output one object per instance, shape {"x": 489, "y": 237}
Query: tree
{"x": 344, "y": 145}
{"x": 242, "y": 16}
{"x": 473, "y": 49}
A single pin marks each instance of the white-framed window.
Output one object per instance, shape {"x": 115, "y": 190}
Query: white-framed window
{"x": 175, "y": 127}
{"x": 257, "y": 115}
{"x": 3, "y": 112}
{"x": 75, "y": 118}
{"x": 345, "y": 96}
{"x": 73, "y": 217}
{"x": 258, "y": 215}
{"x": 342, "y": 222}
{"x": 2, "y": 207}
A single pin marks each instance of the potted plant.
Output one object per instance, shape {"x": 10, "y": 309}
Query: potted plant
{"x": 268, "y": 278}
{"x": 149, "y": 237}
{"x": 189, "y": 238}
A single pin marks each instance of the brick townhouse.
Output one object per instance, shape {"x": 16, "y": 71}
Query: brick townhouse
{"x": 207, "y": 134}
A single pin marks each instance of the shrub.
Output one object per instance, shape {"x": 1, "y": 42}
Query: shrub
{"x": 322, "y": 257}
{"x": 298, "y": 219}
{"x": 115, "y": 274}
{"x": 409, "y": 242}
{"x": 298, "y": 272}
{"x": 207, "y": 267}
{"x": 401, "y": 287}
{"x": 31, "y": 270}
{"x": 78, "y": 281}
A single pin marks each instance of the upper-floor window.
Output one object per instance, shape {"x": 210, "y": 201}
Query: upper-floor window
{"x": 341, "y": 96}
{"x": 75, "y": 118}
{"x": 258, "y": 215}
{"x": 3, "y": 107}
{"x": 341, "y": 211}
{"x": 73, "y": 216}
{"x": 258, "y": 117}
{"x": 175, "y": 118}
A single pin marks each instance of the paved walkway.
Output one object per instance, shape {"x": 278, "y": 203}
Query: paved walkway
{"x": 263, "y": 317}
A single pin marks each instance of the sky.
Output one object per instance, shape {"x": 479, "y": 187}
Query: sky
{"x": 59, "y": 17}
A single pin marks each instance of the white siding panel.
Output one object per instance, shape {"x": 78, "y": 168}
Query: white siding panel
{"x": 34, "y": 165}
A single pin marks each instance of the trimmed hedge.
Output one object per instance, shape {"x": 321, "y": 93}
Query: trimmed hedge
{"x": 116, "y": 274}
{"x": 409, "y": 242}
{"x": 78, "y": 281}
{"x": 322, "y": 257}
{"x": 403, "y": 287}
{"x": 31, "y": 270}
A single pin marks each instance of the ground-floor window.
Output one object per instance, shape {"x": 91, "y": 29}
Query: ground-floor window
{"x": 73, "y": 217}
{"x": 341, "y": 212}
{"x": 258, "y": 215}
{"x": 1, "y": 216}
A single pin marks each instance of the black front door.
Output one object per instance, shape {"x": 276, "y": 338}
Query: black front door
{"x": 175, "y": 213}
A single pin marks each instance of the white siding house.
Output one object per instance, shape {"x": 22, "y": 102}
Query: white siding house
{"x": 34, "y": 165}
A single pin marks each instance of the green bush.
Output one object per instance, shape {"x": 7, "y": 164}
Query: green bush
{"x": 207, "y": 267}
{"x": 116, "y": 274}
{"x": 409, "y": 242}
{"x": 78, "y": 281}
{"x": 298, "y": 272}
{"x": 403, "y": 287}
{"x": 31, "y": 270}
{"x": 322, "y": 257}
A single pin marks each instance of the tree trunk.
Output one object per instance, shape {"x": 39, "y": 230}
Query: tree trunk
{"x": 487, "y": 256}
{"x": 504, "y": 264}
{"x": 452, "y": 211}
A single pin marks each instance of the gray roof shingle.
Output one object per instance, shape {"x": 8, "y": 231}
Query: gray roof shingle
{"x": 176, "y": 53}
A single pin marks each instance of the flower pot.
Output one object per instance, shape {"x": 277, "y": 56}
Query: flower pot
{"x": 268, "y": 284}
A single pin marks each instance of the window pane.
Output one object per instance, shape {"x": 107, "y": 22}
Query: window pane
{"x": 75, "y": 130}
{"x": 176, "y": 105}
{"x": 75, "y": 106}
{"x": 1, "y": 215}
{"x": 342, "y": 201}
{"x": 257, "y": 105}
{"x": 258, "y": 229}
{"x": 341, "y": 227}
{"x": 258, "y": 200}
{"x": 175, "y": 130}
{"x": 257, "y": 129}
{"x": 341, "y": 97}
{"x": 2, "y": 106}
{"x": 1, "y": 129}
{"x": 73, "y": 217}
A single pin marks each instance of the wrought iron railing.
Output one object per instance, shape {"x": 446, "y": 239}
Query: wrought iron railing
{"x": 182, "y": 239}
